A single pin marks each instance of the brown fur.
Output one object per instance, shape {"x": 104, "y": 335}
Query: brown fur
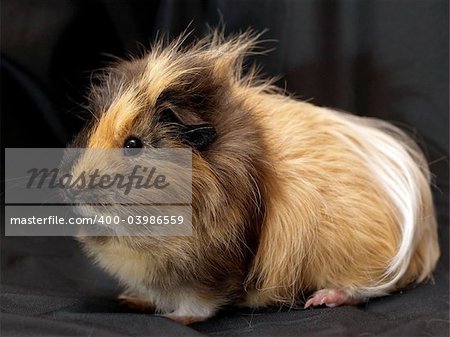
{"x": 281, "y": 205}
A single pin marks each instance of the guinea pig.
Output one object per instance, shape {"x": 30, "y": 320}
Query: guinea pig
{"x": 289, "y": 199}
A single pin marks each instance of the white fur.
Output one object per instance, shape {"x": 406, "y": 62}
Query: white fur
{"x": 189, "y": 304}
{"x": 391, "y": 162}
{"x": 174, "y": 302}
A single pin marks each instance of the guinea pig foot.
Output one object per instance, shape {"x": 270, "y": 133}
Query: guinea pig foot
{"x": 134, "y": 302}
{"x": 190, "y": 313}
{"x": 331, "y": 298}
{"x": 185, "y": 320}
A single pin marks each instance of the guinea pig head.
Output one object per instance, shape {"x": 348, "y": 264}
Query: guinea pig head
{"x": 186, "y": 97}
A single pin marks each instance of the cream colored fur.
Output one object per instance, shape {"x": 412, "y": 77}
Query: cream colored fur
{"x": 351, "y": 207}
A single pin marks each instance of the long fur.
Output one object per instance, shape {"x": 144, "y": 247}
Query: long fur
{"x": 290, "y": 198}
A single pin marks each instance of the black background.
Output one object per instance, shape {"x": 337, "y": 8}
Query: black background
{"x": 387, "y": 59}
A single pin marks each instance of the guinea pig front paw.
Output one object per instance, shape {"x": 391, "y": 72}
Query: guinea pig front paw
{"x": 332, "y": 298}
{"x": 132, "y": 301}
{"x": 185, "y": 320}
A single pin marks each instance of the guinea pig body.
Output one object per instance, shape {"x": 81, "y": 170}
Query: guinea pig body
{"x": 288, "y": 198}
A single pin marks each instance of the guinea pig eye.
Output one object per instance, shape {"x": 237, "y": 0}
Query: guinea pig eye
{"x": 132, "y": 146}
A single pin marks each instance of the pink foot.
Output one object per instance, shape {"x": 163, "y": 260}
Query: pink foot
{"x": 185, "y": 320}
{"x": 331, "y": 298}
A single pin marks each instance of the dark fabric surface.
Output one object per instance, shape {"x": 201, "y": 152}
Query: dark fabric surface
{"x": 375, "y": 58}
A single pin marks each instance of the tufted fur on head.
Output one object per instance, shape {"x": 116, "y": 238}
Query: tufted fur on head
{"x": 288, "y": 197}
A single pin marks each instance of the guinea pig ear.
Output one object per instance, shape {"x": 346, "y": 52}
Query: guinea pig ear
{"x": 199, "y": 136}
{"x": 193, "y": 130}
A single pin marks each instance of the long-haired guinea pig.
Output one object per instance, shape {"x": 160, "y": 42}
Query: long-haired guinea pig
{"x": 288, "y": 199}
